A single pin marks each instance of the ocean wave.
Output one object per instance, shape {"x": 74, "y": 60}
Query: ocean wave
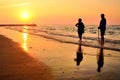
{"x": 84, "y": 37}
{"x": 73, "y": 39}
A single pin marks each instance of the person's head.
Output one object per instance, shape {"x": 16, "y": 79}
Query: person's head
{"x": 102, "y": 15}
{"x": 79, "y": 20}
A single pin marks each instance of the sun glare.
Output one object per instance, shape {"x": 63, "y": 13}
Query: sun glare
{"x": 25, "y": 15}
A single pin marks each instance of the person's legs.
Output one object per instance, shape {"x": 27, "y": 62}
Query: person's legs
{"x": 80, "y": 37}
{"x": 102, "y": 39}
{"x": 102, "y": 36}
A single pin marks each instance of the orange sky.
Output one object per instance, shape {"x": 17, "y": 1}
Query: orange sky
{"x": 59, "y": 11}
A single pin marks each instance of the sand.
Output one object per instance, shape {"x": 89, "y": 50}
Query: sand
{"x": 38, "y": 58}
{"x": 16, "y": 64}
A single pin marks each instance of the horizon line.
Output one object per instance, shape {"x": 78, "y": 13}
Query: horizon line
{"x": 18, "y": 24}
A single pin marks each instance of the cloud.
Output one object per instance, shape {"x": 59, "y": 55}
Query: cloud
{"x": 16, "y": 5}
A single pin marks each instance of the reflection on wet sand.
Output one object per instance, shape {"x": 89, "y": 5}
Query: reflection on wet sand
{"x": 25, "y": 37}
{"x": 16, "y": 64}
{"x": 100, "y": 59}
{"x": 79, "y": 55}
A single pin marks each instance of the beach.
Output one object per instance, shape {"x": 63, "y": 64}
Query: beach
{"x": 29, "y": 57}
{"x": 16, "y": 64}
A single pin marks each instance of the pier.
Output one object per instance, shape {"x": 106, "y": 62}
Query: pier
{"x": 17, "y": 25}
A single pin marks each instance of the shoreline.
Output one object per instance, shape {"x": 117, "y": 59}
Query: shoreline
{"x": 59, "y": 58}
{"x": 17, "y": 64}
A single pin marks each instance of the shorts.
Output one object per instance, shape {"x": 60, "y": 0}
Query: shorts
{"x": 102, "y": 31}
{"x": 80, "y": 32}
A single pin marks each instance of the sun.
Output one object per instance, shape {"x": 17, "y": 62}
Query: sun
{"x": 25, "y": 15}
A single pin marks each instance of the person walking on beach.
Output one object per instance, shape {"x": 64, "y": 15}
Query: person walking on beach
{"x": 81, "y": 27}
{"x": 102, "y": 27}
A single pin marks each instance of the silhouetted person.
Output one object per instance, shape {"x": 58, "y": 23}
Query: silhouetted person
{"x": 79, "y": 56}
{"x": 81, "y": 27}
{"x": 102, "y": 27}
{"x": 100, "y": 60}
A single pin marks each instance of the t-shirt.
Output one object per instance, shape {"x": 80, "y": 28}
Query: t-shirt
{"x": 103, "y": 23}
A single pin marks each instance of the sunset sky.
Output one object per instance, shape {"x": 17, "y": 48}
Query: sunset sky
{"x": 59, "y": 11}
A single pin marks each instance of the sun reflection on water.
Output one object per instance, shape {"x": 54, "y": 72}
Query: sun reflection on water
{"x": 25, "y": 37}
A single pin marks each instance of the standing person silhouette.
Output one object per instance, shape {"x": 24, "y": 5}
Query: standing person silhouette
{"x": 81, "y": 27}
{"x": 102, "y": 28}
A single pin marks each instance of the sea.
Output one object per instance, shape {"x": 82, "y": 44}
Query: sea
{"x": 62, "y": 61}
{"x": 68, "y": 34}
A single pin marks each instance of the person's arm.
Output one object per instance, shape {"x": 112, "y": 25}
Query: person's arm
{"x": 76, "y": 25}
{"x": 83, "y": 26}
{"x": 99, "y": 25}
{"x": 105, "y": 22}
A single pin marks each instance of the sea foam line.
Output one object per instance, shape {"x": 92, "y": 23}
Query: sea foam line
{"x": 70, "y": 42}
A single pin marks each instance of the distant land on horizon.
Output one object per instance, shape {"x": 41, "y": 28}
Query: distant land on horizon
{"x": 18, "y": 24}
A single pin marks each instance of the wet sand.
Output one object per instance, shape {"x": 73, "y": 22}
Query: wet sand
{"x": 16, "y": 64}
{"x": 60, "y": 61}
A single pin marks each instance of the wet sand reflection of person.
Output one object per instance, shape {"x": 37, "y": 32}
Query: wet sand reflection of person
{"x": 100, "y": 60}
{"x": 79, "y": 56}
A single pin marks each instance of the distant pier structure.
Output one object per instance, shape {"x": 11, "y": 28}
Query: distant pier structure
{"x": 1, "y": 25}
